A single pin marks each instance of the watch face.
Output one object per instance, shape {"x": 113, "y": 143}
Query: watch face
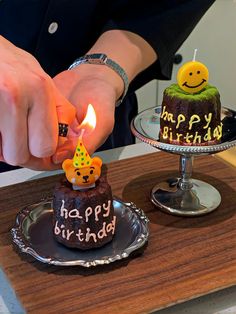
{"x": 98, "y": 56}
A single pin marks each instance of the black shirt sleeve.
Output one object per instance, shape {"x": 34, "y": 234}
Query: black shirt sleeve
{"x": 164, "y": 24}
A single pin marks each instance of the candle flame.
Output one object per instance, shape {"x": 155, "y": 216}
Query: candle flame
{"x": 90, "y": 119}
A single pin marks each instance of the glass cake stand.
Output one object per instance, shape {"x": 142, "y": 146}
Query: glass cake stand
{"x": 181, "y": 196}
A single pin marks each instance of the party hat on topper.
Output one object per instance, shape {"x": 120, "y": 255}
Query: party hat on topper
{"x": 81, "y": 157}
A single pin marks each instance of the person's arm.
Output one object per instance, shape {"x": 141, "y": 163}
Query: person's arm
{"x": 142, "y": 38}
{"x": 164, "y": 24}
{"x": 128, "y": 49}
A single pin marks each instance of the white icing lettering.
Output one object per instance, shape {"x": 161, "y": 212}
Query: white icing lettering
{"x": 57, "y": 230}
{"x": 63, "y": 233}
{"x": 111, "y": 226}
{"x": 88, "y": 212}
{"x": 107, "y": 208}
{"x": 89, "y": 235}
{"x": 102, "y": 232}
{"x": 80, "y": 235}
{"x": 74, "y": 213}
{"x": 68, "y": 234}
{"x": 97, "y": 211}
{"x": 103, "y": 210}
{"x": 63, "y": 210}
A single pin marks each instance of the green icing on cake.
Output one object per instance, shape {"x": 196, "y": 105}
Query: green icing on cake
{"x": 208, "y": 92}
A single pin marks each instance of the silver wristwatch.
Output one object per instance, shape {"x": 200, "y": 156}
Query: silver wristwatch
{"x": 101, "y": 58}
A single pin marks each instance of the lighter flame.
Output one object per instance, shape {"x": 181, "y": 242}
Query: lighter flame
{"x": 90, "y": 119}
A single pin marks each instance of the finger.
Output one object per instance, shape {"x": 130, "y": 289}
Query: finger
{"x": 42, "y": 164}
{"x": 43, "y": 123}
{"x": 14, "y": 135}
{"x": 104, "y": 125}
{"x": 1, "y": 156}
{"x": 65, "y": 151}
{"x": 94, "y": 140}
{"x": 64, "y": 83}
{"x": 66, "y": 112}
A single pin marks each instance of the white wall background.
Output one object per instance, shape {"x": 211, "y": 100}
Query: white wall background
{"x": 215, "y": 39}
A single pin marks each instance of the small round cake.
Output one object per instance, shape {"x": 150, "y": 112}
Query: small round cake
{"x": 190, "y": 119}
{"x": 83, "y": 219}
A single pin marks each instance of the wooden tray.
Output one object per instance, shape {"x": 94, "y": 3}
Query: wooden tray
{"x": 185, "y": 257}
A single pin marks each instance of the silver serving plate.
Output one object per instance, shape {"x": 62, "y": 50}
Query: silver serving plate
{"x": 33, "y": 234}
{"x": 181, "y": 196}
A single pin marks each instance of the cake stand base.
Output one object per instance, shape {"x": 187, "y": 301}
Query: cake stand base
{"x": 201, "y": 199}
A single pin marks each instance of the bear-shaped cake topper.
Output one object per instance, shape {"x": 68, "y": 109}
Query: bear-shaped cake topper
{"x": 192, "y": 76}
{"x": 83, "y": 177}
{"x": 82, "y": 171}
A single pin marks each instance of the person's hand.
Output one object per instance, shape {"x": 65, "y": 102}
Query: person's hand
{"x": 90, "y": 84}
{"x": 28, "y": 119}
{"x": 102, "y": 86}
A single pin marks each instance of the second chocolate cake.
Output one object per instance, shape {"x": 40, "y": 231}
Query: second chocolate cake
{"x": 190, "y": 119}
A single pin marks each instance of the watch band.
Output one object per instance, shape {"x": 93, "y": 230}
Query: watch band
{"x": 102, "y": 59}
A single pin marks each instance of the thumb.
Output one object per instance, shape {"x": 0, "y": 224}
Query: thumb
{"x": 94, "y": 140}
{"x": 66, "y": 112}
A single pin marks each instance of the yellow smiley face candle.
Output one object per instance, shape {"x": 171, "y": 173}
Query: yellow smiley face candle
{"x": 192, "y": 77}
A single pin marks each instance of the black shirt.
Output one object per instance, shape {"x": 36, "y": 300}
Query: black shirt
{"x": 164, "y": 24}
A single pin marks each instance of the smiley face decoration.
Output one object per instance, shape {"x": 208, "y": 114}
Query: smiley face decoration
{"x": 192, "y": 77}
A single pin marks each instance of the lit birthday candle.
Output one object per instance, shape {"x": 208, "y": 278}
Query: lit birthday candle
{"x": 81, "y": 156}
{"x": 83, "y": 171}
{"x": 193, "y": 76}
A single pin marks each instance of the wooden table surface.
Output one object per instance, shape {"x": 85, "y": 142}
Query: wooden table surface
{"x": 185, "y": 257}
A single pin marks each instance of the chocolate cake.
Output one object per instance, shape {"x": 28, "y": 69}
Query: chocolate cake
{"x": 190, "y": 119}
{"x": 83, "y": 219}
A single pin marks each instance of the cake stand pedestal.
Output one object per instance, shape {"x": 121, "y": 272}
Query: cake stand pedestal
{"x": 181, "y": 196}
